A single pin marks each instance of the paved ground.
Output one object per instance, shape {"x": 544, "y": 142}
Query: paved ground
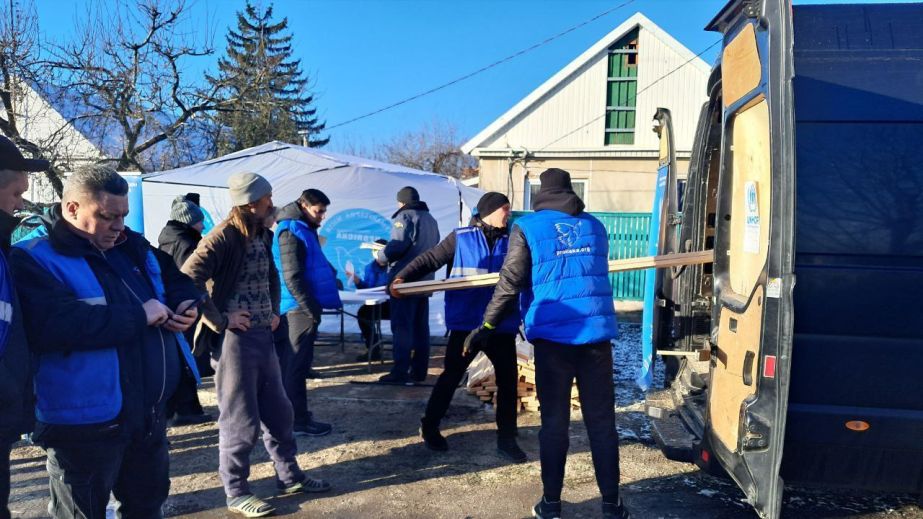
{"x": 378, "y": 467}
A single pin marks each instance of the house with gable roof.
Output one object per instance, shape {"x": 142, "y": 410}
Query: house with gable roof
{"x": 593, "y": 118}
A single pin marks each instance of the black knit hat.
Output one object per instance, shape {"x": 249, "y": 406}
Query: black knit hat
{"x": 11, "y": 158}
{"x": 408, "y": 195}
{"x": 554, "y": 179}
{"x": 490, "y": 202}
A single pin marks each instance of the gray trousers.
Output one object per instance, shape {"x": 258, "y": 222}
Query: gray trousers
{"x": 250, "y": 399}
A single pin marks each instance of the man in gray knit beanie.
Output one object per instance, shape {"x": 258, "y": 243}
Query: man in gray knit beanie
{"x": 187, "y": 212}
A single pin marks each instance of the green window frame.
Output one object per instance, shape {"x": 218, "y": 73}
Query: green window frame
{"x": 621, "y": 90}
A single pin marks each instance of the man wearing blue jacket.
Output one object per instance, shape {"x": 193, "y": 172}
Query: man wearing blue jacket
{"x": 413, "y": 231}
{"x": 308, "y": 285}
{"x": 104, "y": 313}
{"x": 557, "y": 263}
{"x": 15, "y": 384}
{"x": 374, "y": 275}
{"x": 479, "y": 248}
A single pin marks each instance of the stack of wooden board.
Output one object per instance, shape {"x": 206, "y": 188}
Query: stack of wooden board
{"x": 482, "y": 382}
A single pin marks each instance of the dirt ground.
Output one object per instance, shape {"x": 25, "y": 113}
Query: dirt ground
{"x": 378, "y": 467}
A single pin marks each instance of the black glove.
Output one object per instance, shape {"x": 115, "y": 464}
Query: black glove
{"x": 475, "y": 340}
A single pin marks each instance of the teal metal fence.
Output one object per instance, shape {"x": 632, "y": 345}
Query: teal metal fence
{"x": 628, "y": 236}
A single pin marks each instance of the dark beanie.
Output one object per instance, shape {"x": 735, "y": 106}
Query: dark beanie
{"x": 490, "y": 202}
{"x": 408, "y": 195}
{"x": 554, "y": 179}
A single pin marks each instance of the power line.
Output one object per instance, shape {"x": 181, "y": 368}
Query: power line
{"x": 658, "y": 80}
{"x": 482, "y": 69}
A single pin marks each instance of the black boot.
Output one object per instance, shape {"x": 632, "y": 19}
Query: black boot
{"x": 509, "y": 449}
{"x": 432, "y": 438}
{"x": 545, "y": 509}
{"x": 615, "y": 511}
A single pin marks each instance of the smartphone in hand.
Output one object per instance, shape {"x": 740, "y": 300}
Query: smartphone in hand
{"x": 195, "y": 304}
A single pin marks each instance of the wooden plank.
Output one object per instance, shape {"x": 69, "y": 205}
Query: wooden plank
{"x": 618, "y": 265}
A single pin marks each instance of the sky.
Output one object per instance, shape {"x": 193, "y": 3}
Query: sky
{"x": 362, "y": 55}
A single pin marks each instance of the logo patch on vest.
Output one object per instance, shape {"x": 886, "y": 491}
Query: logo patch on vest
{"x": 568, "y": 235}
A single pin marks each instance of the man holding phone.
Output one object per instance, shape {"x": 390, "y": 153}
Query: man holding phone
{"x": 104, "y": 314}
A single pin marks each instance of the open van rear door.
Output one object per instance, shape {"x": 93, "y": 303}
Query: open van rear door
{"x": 751, "y": 334}
{"x": 664, "y": 236}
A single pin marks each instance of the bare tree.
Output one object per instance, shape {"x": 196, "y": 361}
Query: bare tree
{"x": 25, "y": 118}
{"x": 128, "y": 70}
{"x": 434, "y": 147}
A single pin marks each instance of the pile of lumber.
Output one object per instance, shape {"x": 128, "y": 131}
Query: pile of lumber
{"x": 482, "y": 382}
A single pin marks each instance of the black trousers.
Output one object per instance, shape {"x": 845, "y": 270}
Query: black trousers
{"x": 556, "y": 367}
{"x": 501, "y": 350}
{"x": 296, "y": 354}
{"x": 82, "y": 474}
{"x": 4, "y": 478}
{"x": 365, "y": 320}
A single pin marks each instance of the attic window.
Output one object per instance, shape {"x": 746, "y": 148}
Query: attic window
{"x": 621, "y": 89}
{"x": 633, "y": 57}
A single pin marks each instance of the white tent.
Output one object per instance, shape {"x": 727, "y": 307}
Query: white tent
{"x": 362, "y": 194}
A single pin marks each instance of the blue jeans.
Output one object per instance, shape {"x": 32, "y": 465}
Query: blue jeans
{"x": 410, "y": 326}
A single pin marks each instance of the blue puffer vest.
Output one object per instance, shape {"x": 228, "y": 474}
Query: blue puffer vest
{"x": 570, "y": 298}
{"x": 83, "y": 387}
{"x": 6, "y": 302}
{"x": 317, "y": 272}
{"x": 464, "y": 309}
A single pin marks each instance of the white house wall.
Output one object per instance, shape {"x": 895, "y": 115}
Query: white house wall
{"x": 582, "y": 98}
{"x": 683, "y": 92}
{"x": 40, "y": 123}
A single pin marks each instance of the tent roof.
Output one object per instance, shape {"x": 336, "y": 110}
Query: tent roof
{"x": 274, "y": 160}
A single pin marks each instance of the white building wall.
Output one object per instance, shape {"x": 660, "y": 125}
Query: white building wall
{"x": 573, "y": 103}
{"x": 40, "y": 123}
{"x": 682, "y": 92}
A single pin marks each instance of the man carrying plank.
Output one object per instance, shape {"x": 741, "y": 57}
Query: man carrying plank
{"x": 558, "y": 262}
{"x": 477, "y": 249}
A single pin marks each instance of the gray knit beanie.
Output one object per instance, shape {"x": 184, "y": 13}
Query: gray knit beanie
{"x": 246, "y": 188}
{"x": 186, "y": 212}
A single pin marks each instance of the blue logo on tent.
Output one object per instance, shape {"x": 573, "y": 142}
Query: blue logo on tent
{"x": 345, "y": 232}
{"x": 208, "y": 223}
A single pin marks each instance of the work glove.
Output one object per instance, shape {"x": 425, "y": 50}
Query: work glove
{"x": 476, "y": 339}
{"x": 393, "y": 291}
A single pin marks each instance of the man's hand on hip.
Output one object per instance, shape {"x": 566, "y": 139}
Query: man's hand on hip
{"x": 239, "y": 320}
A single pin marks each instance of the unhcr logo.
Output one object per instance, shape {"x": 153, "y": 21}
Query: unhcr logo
{"x": 753, "y": 209}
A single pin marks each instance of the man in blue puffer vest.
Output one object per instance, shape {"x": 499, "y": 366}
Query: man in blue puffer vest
{"x": 104, "y": 314}
{"x": 309, "y": 285}
{"x": 557, "y": 269}
{"x": 477, "y": 249}
{"x": 15, "y": 370}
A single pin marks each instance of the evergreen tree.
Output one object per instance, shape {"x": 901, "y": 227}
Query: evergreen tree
{"x": 274, "y": 98}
